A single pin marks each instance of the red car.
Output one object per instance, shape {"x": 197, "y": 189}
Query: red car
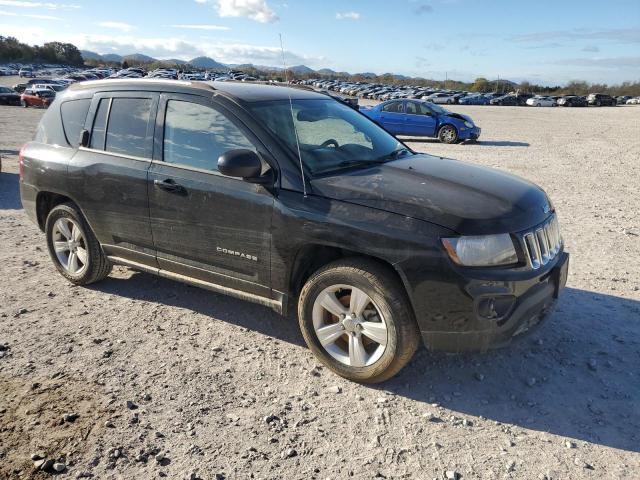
{"x": 37, "y": 98}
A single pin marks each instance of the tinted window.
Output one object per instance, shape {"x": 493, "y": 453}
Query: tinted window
{"x": 74, "y": 113}
{"x": 196, "y": 135}
{"x": 99, "y": 125}
{"x": 127, "y": 129}
{"x": 393, "y": 107}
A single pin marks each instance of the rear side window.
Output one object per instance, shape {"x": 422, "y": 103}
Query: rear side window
{"x": 127, "y": 128}
{"x": 74, "y": 114}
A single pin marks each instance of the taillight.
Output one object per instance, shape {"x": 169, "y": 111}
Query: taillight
{"x": 21, "y": 162}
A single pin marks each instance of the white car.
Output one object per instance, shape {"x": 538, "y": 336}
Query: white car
{"x": 539, "y": 101}
{"x": 633, "y": 101}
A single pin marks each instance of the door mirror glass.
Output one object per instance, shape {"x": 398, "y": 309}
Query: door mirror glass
{"x": 240, "y": 163}
{"x": 84, "y": 138}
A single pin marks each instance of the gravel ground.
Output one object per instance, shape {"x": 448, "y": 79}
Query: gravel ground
{"x": 220, "y": 388}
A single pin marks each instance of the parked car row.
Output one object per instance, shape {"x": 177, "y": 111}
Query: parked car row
{"x": 382, "y": 92}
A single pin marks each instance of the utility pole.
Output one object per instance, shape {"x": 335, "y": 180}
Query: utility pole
{"x": 446, "y": 77}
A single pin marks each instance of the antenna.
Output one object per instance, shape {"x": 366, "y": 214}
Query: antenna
{"x": 293, "y": 122}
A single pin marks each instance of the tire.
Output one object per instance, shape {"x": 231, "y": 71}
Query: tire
{"x": 538, "y": 105}
{"x": 388, "y": 315}
{"x": 95, "y": 266}
{"x": 448, "y": 134}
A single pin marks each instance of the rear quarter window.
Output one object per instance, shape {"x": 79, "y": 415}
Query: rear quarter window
{"x": 74, "y": 114}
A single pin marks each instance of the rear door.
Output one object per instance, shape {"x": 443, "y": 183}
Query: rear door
{"x": 108, "y": 178}
{"x": 392, "y": 117}
{"x": 420, "y": 119}
{"x": 206, "y": 225}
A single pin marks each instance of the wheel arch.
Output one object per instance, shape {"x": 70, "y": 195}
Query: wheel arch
{"x": 47, "y": 201}
{"x": 311, "y": 257}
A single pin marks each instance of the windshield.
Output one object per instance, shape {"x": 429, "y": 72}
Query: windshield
{"x": 332, "y": 135}
{"x": 437, "y": 108}
{"x": 5, "y": 90}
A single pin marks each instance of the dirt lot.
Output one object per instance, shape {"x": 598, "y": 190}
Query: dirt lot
{"x": 226, "y": 389}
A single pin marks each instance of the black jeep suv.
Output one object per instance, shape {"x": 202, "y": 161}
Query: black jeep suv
{"x": 294, "y": 200}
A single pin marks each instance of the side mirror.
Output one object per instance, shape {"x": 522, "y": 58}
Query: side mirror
{"x": 84, "y": 138}
{"x": 241, "y": 163}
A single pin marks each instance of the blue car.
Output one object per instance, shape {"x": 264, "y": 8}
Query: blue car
{"x": 477, "y": 99}
{"x": 415, "y": 118}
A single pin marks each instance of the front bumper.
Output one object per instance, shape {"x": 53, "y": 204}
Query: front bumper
{"x": 469, "y": 133}
{"x": 521, "y": 305}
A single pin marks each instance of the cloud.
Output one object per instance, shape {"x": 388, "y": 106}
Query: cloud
{"x": 620, "y": 35}
{"x": 47, "y": 5}
{"x": 601, "y": 62}
{"x": 201, "y": 27}
{"x": 348, "y": 16}
{"x": 257, "y": 10}
{"x": 423, "y": 8}
{"x": 29, "y": 15}
{"x": 123, "y": 27}
{"x": 591, "y": 48}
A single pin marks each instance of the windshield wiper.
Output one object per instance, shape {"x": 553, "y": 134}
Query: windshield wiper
{"x": 397, "y": 153}
{"x": 365, "y": 163}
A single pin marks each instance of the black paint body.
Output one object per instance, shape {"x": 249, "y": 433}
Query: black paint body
{"x": 261, "y": 241}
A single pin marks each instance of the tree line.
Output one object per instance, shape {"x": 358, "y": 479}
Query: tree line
{"x": 12, "y": 50}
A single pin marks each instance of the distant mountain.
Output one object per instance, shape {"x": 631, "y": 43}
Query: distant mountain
{"x": 139, "y": 57}
{"x": 89, "y": 55}
{"x": 301, "y": 69}
{"x": 207, "y": 62}
{"x": 112, "y": 57}
{"x": 174, "y": 61}
{"x": 367, "y": 74}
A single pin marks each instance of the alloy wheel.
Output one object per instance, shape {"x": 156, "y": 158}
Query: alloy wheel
{"x": 349, "y": 325}
{"x": 70, "y": 246}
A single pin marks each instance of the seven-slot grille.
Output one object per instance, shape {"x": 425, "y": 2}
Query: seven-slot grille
{"x": 543, "y": 243}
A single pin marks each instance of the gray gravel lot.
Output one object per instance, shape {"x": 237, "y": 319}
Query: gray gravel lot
{"x": 226, "y": 389}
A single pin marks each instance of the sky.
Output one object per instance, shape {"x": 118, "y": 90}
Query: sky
{"x": 548, "y": 42}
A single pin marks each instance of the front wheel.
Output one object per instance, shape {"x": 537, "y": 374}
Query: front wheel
{"x": 448, "y": 134}
{"x": 356, "y": 320}
{"x": 73, "y": 247}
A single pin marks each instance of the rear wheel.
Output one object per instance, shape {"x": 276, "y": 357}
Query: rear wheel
{"x": 448, "y": 134}
{"x": 73, "y": 247}
{"x": 357, "y": 321}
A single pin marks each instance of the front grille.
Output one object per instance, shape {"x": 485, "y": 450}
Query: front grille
{"x": 544, "y": 243}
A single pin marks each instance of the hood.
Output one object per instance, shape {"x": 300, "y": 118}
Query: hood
{"x": 459, "y": 116}
{"x": 466, "y": 198}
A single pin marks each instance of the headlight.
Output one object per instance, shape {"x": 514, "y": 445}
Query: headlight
{"x": 481, "y": 251}
{"x": 468, "y": 124}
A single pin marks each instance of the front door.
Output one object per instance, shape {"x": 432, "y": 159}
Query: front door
{"x": 206, "y": 225}
{"x": 392, "y": 117}
{"x": 421, "y": 120}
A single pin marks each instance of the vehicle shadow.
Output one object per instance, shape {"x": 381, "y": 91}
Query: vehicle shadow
{"x": 9, "y": 151}
{"x": 576, "y": 376}
{"x": 162, "y": 291}
{"x": 498, "y": 143}
{"x": 481, "y": 143}
{"x": 597, "y": 402}
{"x": 9, "y": 192}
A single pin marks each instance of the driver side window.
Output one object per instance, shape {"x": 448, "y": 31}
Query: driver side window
{"x": 393, "y": 107}
{"x": 196, "y": 135}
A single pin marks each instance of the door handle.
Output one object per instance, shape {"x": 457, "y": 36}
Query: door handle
{"x": 170, "y": 185}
